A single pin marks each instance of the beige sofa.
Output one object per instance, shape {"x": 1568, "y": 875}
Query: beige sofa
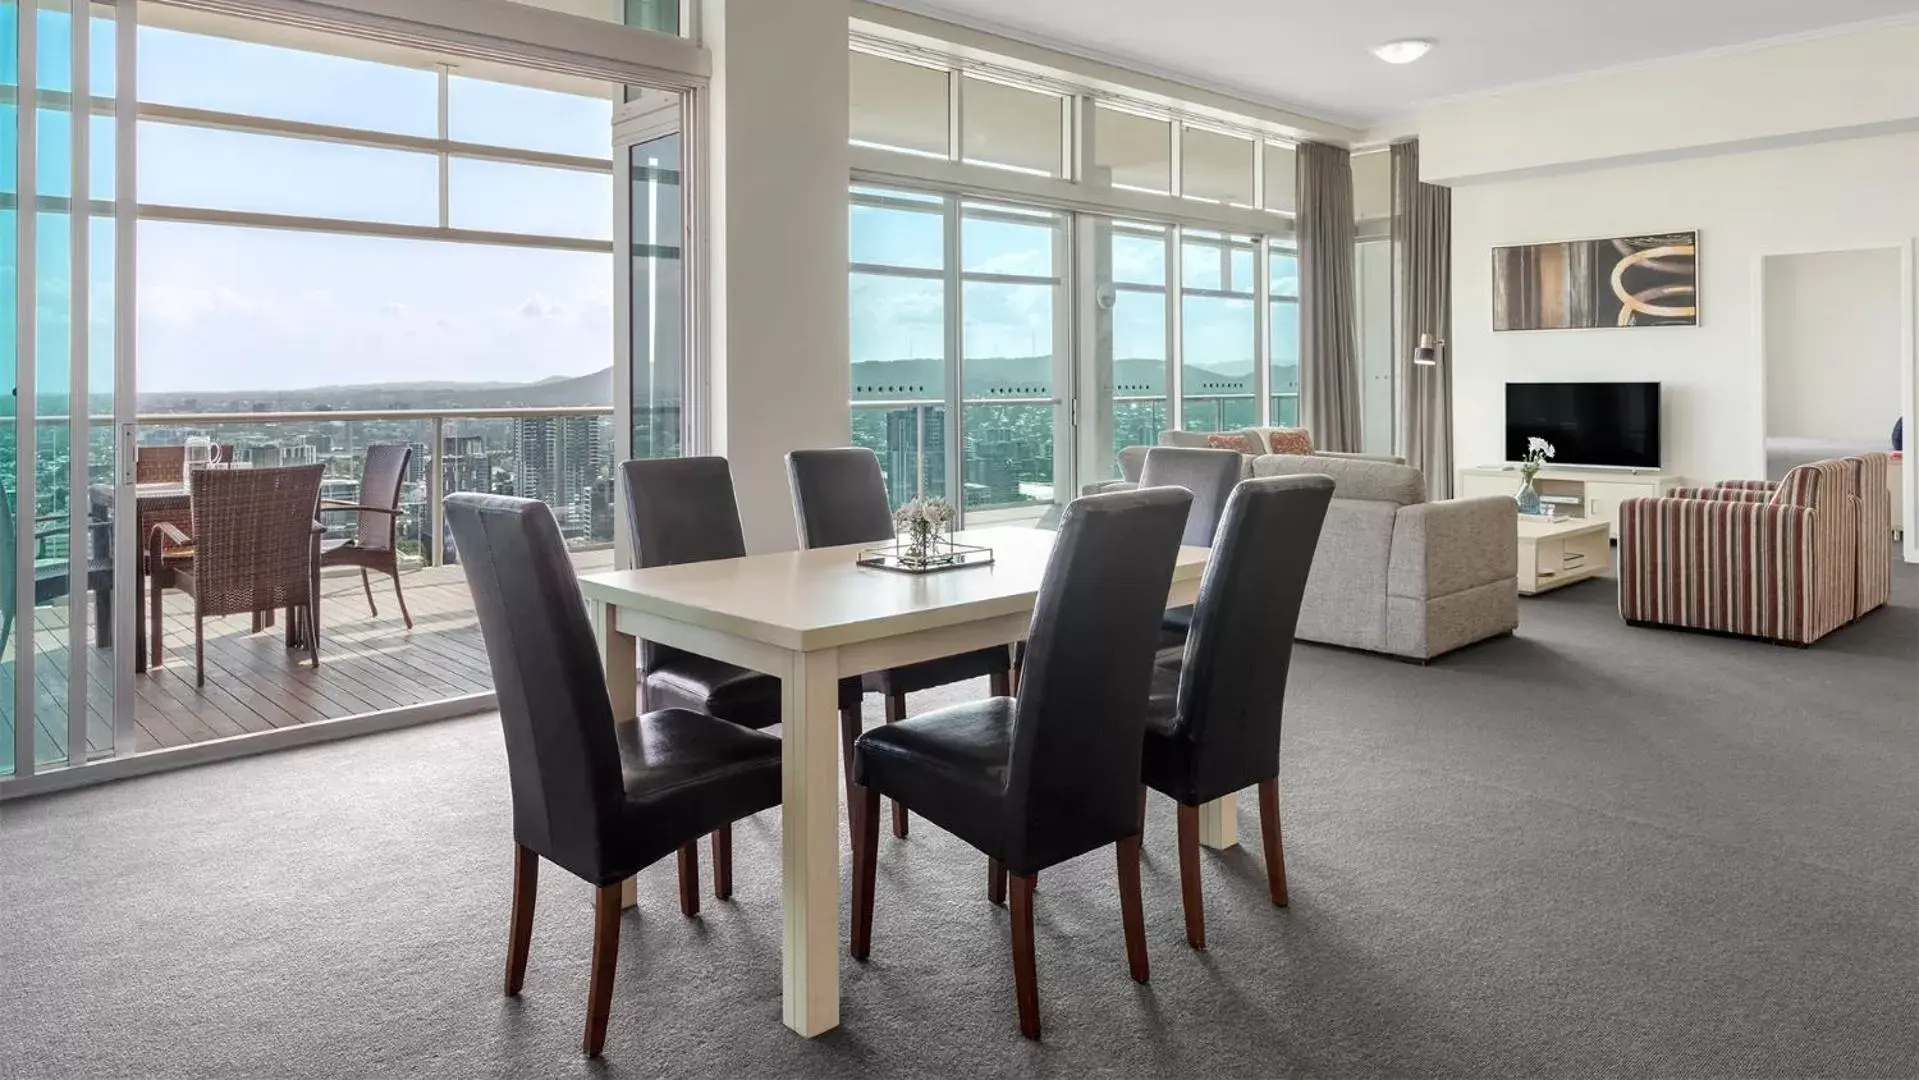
{"x": 1397, "y": 574}
{"x": 1133, "y": 458}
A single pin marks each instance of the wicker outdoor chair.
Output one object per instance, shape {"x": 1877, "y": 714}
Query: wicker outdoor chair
{"x": 375, "y": 543}
{"x": 252, "y": 549}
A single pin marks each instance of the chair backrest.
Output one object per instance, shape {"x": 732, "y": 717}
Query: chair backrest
{"x": 682, "y": 510}
{"x": 1232, "y": 683}
{"x": 1208, "y": 474}
{"x": 562, "y": 757}
{"x": 380, "y": 478}
{"x": 253, "y": 537}
{"x": 1818, "y": 483}
{"x": 162, "y": 464}
{"x": 1073, "y": 778}
{"x": 839, "y": 497}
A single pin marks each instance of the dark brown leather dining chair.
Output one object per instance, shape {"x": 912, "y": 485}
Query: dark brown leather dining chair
{"x": 1212, "y": 727}
{"x": 683, "y": 510}
{"x": 602, "y": 800}
{"x": 839, "y": 498}
{"x": 1053, "y": 774}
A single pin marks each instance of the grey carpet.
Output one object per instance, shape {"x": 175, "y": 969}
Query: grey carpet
{"x": 1587, "y": 850}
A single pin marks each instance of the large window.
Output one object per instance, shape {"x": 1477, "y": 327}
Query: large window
{"x": 1002, "y": 355}
{"x": 1010, "y": 354}
{"x": 1217, "y": 333}
{"x": 957, "y": 326}
{"x": 1139, "y": 351}
{"x": 899, "y": 337}
{"x": 442, "y": 240}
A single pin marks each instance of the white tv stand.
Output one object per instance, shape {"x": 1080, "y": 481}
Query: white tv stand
{"x": 1593, "y": 493}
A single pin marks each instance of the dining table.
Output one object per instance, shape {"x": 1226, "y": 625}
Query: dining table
{"x": 811, "y": 618}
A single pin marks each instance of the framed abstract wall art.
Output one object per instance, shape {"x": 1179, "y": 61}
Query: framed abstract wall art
{"x": 1650, "y": 280}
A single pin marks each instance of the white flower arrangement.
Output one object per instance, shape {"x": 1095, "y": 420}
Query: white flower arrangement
{"x": 1538, "y": 452}
{"x": 920, "y": 521}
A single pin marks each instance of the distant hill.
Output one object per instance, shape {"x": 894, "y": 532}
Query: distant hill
{"x": 591, "y": 389}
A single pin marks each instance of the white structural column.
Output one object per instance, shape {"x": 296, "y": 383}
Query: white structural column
{"x": 777, "y": 190}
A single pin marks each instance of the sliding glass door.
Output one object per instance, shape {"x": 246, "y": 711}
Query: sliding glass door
{"x": 60, "y": 233}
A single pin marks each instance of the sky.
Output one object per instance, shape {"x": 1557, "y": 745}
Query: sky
{"x": 225, "y": 308}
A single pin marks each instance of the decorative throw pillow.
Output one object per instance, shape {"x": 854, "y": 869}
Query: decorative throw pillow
{"x": 1292, "y": 440}
{"x": 1232, "y": 441}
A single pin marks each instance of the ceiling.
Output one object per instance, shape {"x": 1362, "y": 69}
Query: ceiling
{"x": 1313, "y": 55}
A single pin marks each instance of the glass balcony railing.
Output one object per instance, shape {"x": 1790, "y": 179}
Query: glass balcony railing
{"x": 564, "y": 456}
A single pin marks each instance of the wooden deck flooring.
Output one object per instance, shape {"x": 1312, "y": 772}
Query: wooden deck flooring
{"x": 255, "y": 683}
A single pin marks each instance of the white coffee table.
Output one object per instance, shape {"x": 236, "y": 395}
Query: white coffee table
{"x": 1558, "y": 553}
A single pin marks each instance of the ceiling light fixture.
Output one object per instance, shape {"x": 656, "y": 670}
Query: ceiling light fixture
{"x": 1404, "y": 51}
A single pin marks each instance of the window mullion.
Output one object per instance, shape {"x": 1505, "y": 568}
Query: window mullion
{"x": 1262, "y": 331}
{"x": 955, "y": 426}
{"x": 444, "y": 131}
{"x": 1175, "y": 330}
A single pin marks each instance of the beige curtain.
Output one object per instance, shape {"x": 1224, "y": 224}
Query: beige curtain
{"x": 1422, "y": 287}
{"x": 1328, "y": 358}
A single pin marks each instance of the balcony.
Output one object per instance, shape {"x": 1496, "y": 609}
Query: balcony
{"x": 368, "y": 662}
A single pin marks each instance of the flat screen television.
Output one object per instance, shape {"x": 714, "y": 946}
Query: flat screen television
{"x": 1588, "y": 423}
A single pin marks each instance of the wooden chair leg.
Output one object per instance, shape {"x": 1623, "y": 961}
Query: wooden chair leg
{"x": 1189, "y": 876}
{"x": 156, "y": 653}
{"x": 996, "y": 882}
{"x": 723, "y": 862}
{"x": 850, "y": 722}
{"x": 1269, "y": 830}
{"x": 1000, "y": 684}
{"x": 895, "y": 712}
{"x": 606, "y": 956}
{"x": 1143, "y": 789}
{"x": 1025, "y": 972}
{"x": 366, "y": 583}
{"x": 405, "y": 616}
{"x": 519, "y": 934}
{"x": 1132, "y": 912}
{"x": 866, "y": 849}
{"x": 690, "y": 879}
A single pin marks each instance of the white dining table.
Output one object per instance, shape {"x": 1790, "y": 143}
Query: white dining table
{"x": 811, "y": 618}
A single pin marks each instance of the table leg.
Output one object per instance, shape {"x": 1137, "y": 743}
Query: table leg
{"x": 810, "y": 841}
{"x": 1219, "y": 823}
{"x": 619, "y": 655}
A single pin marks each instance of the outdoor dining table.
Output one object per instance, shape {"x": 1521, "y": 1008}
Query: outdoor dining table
{"x": 812, "y": 618}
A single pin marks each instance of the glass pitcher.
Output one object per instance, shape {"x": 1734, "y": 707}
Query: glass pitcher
{"x": 199, "y": 453}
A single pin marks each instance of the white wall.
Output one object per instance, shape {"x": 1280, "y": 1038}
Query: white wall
{"x": 777, "y": 187}
{"x": 1851, "y": 193}
{"x": 1832, "y": 343}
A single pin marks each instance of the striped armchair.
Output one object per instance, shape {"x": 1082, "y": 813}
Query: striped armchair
{"x": 1779, "y": 564}
{"x": 1875, "y": 521}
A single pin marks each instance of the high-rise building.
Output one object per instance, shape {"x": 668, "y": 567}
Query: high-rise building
{"x": 464, "y": 463}
{"x": 914, "y": 459}
{"x": 558, "y": 460}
